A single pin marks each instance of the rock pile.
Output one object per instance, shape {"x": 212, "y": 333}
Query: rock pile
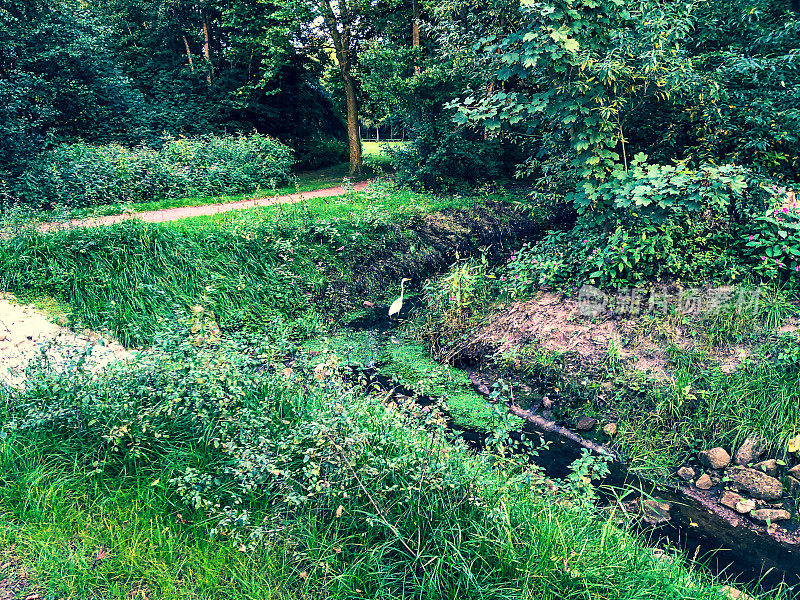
{"x": 26, "y": 334}
{"x": 750, "y": 486}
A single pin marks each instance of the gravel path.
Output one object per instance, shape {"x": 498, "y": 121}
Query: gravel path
{"x": 174, "y": 214}
{"x": 26, "y": 333}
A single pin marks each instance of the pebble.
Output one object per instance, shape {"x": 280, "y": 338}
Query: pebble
{"x": 795, "y": 472}
{"x": 716, "y": 458}
{"x": 735, "y": 594}
{"x": 686, "y": 473}
{"x": 736, "y": 502}
{"x": 730, "y": 499}
{"x": 704, "y": 483}
{"x": 756, "y": 483}
{"x": 585, "y": 423}
{"x": 771, "y": 515}
{"x": 610, "y": 429}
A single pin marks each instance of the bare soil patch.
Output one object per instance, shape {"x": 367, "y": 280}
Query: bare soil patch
{"x": 27, "y": 334}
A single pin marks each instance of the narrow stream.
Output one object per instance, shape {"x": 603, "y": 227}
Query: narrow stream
{"x": 729, "y": 545}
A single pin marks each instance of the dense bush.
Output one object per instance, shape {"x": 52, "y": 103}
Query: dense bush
{"x": 439, "y": 156}
{"x": 80, "y": 175}
{"x": 320, "y": 152}
{"x": 650, "y": 222}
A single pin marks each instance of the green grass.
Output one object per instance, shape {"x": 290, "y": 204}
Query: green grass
{"x": 398, "y": 204}
{"x": 424, "y": 517}
{"x": 706, "y": 407}
{"x": 57, "y": 522}
{"x": 251, "y": 266}
{"x": 378, "y": 148}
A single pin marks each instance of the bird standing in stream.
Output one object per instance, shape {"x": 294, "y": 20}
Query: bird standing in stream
{"x": 394, "y": 309}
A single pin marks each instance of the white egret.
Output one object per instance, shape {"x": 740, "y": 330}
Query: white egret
{"x": 394, "y": 309}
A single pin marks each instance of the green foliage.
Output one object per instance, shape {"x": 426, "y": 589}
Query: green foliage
{"x": 649, "y": 223}
{"x": 654, "y": 193}
{"x": 751, "y": 117}
{"x": 59, "y": 80}
{"x": 581, "y": 70}
{"x": 774, "y": 244}
{"x": 787, "y": 352}
{"x": 319, "y": 152}
{"x": 438, "y": 154}
{"x": 80, "y": 175}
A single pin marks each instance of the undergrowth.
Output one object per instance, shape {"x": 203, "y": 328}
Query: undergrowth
{"x": 189, "y": 473}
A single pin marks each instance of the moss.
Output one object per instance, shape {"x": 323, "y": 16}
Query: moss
{"x": 355, "y": 348}
{"x": 410, "y": 365}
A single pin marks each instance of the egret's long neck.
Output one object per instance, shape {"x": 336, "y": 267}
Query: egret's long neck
{"x": 402, "y": 289}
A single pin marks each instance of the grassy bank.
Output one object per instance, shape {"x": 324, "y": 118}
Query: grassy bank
{"x": 274, "y": 268}
{"x": 319, "y": 491}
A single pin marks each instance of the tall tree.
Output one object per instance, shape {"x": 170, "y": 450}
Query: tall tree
{"x": 345, "y": 28}
{"x": 340, "y": 24}
{"x": 59, "y": 80}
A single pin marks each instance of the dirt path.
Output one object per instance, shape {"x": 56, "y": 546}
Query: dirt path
{"x": 174, "y": 214}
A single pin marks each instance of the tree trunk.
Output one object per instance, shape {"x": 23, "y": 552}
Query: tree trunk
{"x": 188, "y": 53}
{"x": 415, "y": 29}
{"x": 353, "y": 128}
{"x": 342, "y": 45}
{"x": 207, "y": 48}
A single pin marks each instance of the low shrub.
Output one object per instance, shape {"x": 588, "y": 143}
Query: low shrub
{"x": 81, "y": 175}
{"x": 440, "y": 158}
{"x": 774, "y": 242}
